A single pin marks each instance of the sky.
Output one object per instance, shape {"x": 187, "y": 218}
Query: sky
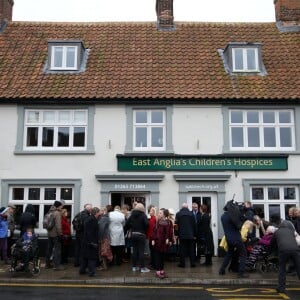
{"x": 143, "y": 10}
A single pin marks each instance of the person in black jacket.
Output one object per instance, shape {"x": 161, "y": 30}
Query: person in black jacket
{"x": 284, "y": 240}
{"x": 234, "y": 240}
{"x": 90, "y": 252}
{"x": 138, "y": 224}
{"x": 187, "y": 234}
{"x": 81, "y": 217}
{"x": 205, "y": 236}
{"x": 28, "y": 219}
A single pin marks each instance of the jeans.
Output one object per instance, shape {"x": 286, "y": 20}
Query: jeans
{"x": 242, "y": 253}
{"x": 138, "y": 244}
{"x": 54, "y": 247}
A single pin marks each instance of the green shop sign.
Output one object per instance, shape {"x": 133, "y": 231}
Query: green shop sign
{"x": 201, "y": 163}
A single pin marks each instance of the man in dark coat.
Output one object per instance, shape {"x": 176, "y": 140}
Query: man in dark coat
{"x": 234, "y": 241}
{"x": 284, "y": 239}
{"x": 90, "y": 252}
{"x": 81, "y": 217}
{"x": 187, "y": 233}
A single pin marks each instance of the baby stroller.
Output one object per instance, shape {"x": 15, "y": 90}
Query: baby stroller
{"x": 25, "y": 256}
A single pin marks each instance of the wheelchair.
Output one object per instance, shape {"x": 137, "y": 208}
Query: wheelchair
{"x": 26, "y": 262}
{"x": 267, "y": 262}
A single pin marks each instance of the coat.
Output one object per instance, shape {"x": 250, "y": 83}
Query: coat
{"x": 56, "y": 230}
{"x": 116, "y": 230}
{"x": 3, "y": 226}
{"x": 27, "y": 219}
{"x": 90, "y": 238}
{"x": 231, "y": 231}
{"x": 137, "y": 222}
{"x": 162, "y": 231}
{"x": 186, "y": 224}
{"x": 204, "y": 233}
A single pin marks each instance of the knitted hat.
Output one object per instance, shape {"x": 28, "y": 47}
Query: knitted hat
{"x": 58, "y": 203}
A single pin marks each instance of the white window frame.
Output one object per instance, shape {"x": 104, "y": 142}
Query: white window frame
{"x": 245, "y": 60}
{"x": 64, "y": 58}
{"x": 55, "y": 124}
{"x": 281, "y": 201}
{"x": 149, "y": 127}
{"x": 41, "y": 202}
{"x": 261, "y": 126}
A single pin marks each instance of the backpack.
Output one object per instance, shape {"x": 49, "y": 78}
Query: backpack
{"x": 78, "y": 222}
{"x": 49, "y": 221}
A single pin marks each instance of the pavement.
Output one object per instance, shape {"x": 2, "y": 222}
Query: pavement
{"x": 123, "y": 275}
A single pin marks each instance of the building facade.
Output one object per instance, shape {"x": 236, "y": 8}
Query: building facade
{"x": 162, "y": 113}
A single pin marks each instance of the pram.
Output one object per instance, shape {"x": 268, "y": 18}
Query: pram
{"x": 25, "y": 256}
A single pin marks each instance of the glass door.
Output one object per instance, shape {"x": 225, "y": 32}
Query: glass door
{"x": 210, "y": 200}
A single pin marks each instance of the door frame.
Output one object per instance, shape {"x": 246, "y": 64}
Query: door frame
{"x": 214, "y": 216}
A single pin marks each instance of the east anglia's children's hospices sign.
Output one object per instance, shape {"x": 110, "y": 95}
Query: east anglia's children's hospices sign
{"x": 200, "y": 163}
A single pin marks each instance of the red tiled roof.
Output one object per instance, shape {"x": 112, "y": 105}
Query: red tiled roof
{"x": 136, "y": 61}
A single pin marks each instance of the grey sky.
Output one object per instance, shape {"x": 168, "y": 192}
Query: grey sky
{"x": 143, "y": 10}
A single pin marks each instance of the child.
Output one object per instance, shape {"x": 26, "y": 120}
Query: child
{"x": 161, "y": 240}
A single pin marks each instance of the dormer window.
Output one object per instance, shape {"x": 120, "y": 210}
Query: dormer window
{"x": 243, "y": 59}
{"x": 68, "y": 56}
{"x": 64, "y": 58}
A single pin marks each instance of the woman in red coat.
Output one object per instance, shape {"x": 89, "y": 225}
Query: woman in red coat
{"x": 162, "y": 238}
{"x": 66, "y": 236}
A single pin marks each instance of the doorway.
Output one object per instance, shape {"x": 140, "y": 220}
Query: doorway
{"x": 129, "y": 198}
{"x": 210, "y": 200}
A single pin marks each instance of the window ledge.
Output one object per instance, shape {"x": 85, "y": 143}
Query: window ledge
{"x": 85, "y": 152}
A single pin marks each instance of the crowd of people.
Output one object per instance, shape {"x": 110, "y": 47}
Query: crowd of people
{"x": 109, "y": 236}
{"x": 124, "y": 233}
{"x": 247, "y": 237}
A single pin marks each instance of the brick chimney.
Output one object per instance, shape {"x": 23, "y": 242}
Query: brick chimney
{"x": 164, "y": 12}
{"x": 6, "y": 8}
{"x": 287, "y": 13}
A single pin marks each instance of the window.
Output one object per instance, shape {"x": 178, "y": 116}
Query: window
{"x": 55, "y": 129}
{"x": 264, "y": 130}
{"x": 67, "y": 56}
{"x": 245, "y": 60}
{"x": 42, "y": 198}
{"x": 64, "y": 58}
{"x": 271, "y": 202}
{"x": 149, "y": 128}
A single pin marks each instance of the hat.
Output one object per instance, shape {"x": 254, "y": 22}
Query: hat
{"x": 11, "y": 205}
{"x": 58, "y": 203}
